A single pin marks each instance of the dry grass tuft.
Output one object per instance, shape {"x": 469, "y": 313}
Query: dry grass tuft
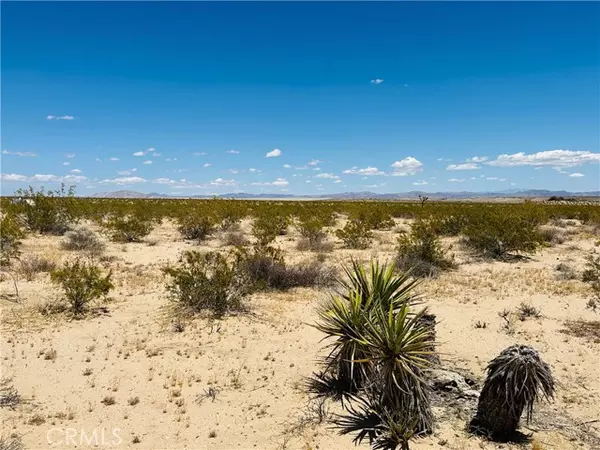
{"x": 587, "y": 329}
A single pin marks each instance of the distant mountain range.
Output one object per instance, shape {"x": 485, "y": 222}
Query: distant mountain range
{"x": 513, "y": 193}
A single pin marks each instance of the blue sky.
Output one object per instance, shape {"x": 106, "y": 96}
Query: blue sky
{"x": 303, "y": 98}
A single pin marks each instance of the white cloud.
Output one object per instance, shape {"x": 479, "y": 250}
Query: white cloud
{"x": 75, "y": 171}
{"x": 199, "y": 154}
{"x": 66, "y": 163}
{"x": 495, "y": 179}
{"x": 456, "y": 180}
{"x": 555, "y": 158}
{"x": 368, "y": 171}
{"x": 12, "y": 177}
{"x": 464, "y": 166}
{"x": 477, "y": 159}
{"x": 140, "y": 153}
{"x": 253, "y": 170}
{"x": 337, "y": 181}
{"x": 29, "y": 154}
{"x": 380, "y": 185}
{"x": 69, "y": 155}
{"x": 329, "y": 176}
{"x": 407, "y": 166}
{"x": 277, "y": 182}
{"x": 317, "y": 169}
{"x": 287, "y": 166}
{"x": 273, "y": 153}
{"x": 170, "y": 159}
{"x": 233, "y": 152}
{"x": 577, "y": 175}
{"x": 163, "y": 181}
{"x": 377, "y": 81}
{"x": 207, "y": 165}
{"x": 420, "y": 183}
{"x": 314, "y": 162}
{"x": 234, "y": 171}
{"x": 147, "y": 162}
{"x": 222, "y": 182}
{"x": 125, "y": 180}
{"x": 156, "y": 154}
{"x": 113, "y": 159}
{"x": 98, "y": 160}
{"x": 51, "y": 117}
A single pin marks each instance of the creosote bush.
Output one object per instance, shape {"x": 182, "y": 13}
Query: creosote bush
{"x": 266, "y": 268}
{"x": 420, "y": 251}
{"x": 355, "y": 234}
{"x": 497, "y": 235}
{"x": 84, "y": 240}
{"x": 196, "y": 226}
{"x": 592, "y": 275}
{"x": 234, "y": 238}
{"x": 265, "y": 228}
{"x": 10, "y": 239}
{"x": 206, "y": 282}
{"x": 48, "y": 212}
{"x": 313, "y": 235}
{"x": 82, "y": 282}
{"x": 130, "y": 228}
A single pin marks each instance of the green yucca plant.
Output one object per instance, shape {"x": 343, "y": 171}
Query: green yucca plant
{"x": 516, "y": 379}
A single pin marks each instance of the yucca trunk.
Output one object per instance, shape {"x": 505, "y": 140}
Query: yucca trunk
{"x": 516, "y": 378}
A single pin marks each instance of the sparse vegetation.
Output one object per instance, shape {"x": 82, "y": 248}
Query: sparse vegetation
{"x": 591, "y": 275}
{"x": 526, "y": 311}
{"x": 82, "y": 282}
{"x": 196, "y": 226}
{"x": 128, "y": 228}
{"x": 420, "y": 251}
{"x": 49, "y": 212}
{"x": 206, "y": 282}
{"x": 83, "y": 239}
{"x": 30, "y": 265}
{"x": 11, "y": 234}
{"x": 355, "y": 234}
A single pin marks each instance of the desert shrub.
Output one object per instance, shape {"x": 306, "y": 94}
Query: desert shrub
{"x": 565, "y": 272}
{"x": 266, "y": 268}
{"x": 230, "y": 218}
{"x": 47, "y": 211}
{"x": 496, "y": 234}
{"x": 234, "y": 238}
{"x": 553, "y": 235}
{"x": 420, "y": 251}
{"x": 128, "y": 228}
{"x": 10, "y": 239}
{"x": 355, "y": 234}
{"x": 316, "y": 245}
{"x": 311, "y": 229}
{"x": 206, "y": 282}
{"x": 83, "y": 239}
{"x": 449, "y": 225}
{"x": 375, "y": 216}
{"x": 196, "y": 226}
{"x": 265, "y": 228}
{"x": 592, "y": 275}
{"x": 32, "y": 264}
{"x": 82, "y": 282}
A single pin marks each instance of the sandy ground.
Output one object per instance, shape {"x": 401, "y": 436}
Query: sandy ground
{"x": 238, "y": 383}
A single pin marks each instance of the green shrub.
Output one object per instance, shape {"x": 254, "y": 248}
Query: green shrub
{"x": 265, "y": 228}
{"x": 420, "y": 251}
{"x": 313, "y": 235}
{"x": 128, "y": 228}
{"x": 498, "y": 234}
{"x": 206, "y": 282}
{"x": 355, "y": 234}
{"x": 196, "y": 226}
{"x": 47, "y": 211}
{"x": 234, "y": 238}
{"x": 266, "y": 269}
{"x": 374, "y": 216}
{"x": 83, "y": 239}
{"x": 10, "y": 239}
{"x": 82, "y": 283}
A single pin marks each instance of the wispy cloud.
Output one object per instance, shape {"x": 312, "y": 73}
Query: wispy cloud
{"x": 314, "y": 162}
{"x": 420, "y": 183}
{"x": 199, "y": 154}
{"x": 147, "y": 162}
{"x": 576, "y": 175}
{"x": 26, "y": 154}
{"x": 464, "y": 166}
{"x": 233, "y": 152}
{"x": 377, "y": 81}
{"x": 170, "y": 159}
{"x": 287, "y": 166}
{"x": 75, "y": 170}
{"x": 206, "y": 165}
{"x": 273, "y": 153}
{"x": 140, "y": 153}
{"x": 223, "y": 182}
{"x": 253, "y": 170}
{"x": 124, "y": 180}
{"x": 555, "y": 158}
{"x": 477, "y": 159}
{"x": 66, "y": 163}
{"x": 407, "y": 166}
{"x": 329, "y": 176}
{"x": 51, "y": 117}
{"x": 367, "y": 171}
{"x": 277, "y": 182}
{"x": 495, "y": 179}
{"x": 69, "y": 155}
{"x": 456, "y": 180}
{"x": 45, "y": 178}
{"x": 126, "y": 172}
